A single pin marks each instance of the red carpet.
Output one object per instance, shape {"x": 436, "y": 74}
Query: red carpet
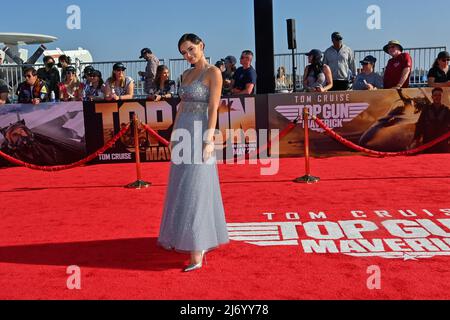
{"x": 84, "y": 217}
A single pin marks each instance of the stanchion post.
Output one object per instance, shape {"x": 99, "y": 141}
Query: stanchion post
{"x": 308, "y": 178}
{"x": 139, "y": 184}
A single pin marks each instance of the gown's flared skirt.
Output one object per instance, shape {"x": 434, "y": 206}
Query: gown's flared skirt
{"x": 193, "y": 217}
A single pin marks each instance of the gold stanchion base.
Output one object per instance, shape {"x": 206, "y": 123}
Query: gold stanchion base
{"x": 138, "y": 185}
{"x": 307, "y": 180}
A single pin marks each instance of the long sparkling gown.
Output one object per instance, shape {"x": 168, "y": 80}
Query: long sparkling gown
{"x": 193, "y": 217}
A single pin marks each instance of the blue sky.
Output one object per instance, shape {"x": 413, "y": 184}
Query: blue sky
{"x": 117, "y": 30}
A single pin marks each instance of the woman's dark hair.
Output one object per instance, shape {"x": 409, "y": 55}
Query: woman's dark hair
{"x": 189, "y": 37}
{"x": 158, "y": 76}
{"x": 100, "y": 78}
{"x": 437, "y": 90}
{"x": 436, "y": 63}
{"x": 30, "y": 69}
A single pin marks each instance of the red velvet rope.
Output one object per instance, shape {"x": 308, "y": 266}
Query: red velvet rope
{"x": 282, "y": 134}
{"x": 70, "y": 166}
{"x": 351, "y": 145}
{"x": 155, "y": 134}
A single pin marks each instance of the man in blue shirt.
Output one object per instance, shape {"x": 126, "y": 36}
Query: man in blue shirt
{"x": 244, "y": 80}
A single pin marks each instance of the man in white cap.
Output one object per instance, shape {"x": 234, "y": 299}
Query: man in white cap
{"x": 398, "y": 69}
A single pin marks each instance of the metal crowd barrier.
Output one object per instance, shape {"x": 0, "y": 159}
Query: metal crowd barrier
{"x": 423, "y": 59}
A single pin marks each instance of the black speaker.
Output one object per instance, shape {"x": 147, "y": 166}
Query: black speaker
{"x": 292, "y": 37}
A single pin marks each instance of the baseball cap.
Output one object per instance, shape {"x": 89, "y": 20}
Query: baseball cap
{"x": 230, "y": 59}
{"x": 119, "y": 66}
{"x": 96, "y": 73}
{"x": 88, "y": 69}
{"x": 369, "y": 59}
{"x": 144, "y": 51}
{"x": 71, "y": 69}
{"x": 336, "y": 36}
{"x": 443, "y": 55}
{"x": 315, "y": 53}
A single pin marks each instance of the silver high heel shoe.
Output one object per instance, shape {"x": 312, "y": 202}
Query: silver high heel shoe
{"x": 197, "y": 266}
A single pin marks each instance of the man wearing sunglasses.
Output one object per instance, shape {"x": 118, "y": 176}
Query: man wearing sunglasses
{"x": 32, "y": 90}
{"x": 50, "y": 74}
{"x": 244, "y": 80}
{"x": 398, "y": 69}
{"x": 439, "y": 75}
{"x": 341, "y": 60}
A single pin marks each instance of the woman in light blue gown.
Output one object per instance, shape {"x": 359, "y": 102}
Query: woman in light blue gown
{"x": 193, "y": 218}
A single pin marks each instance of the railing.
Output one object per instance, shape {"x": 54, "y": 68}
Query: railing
{"x": 423, "y": 59}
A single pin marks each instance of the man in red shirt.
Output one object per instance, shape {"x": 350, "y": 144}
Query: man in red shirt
{"x": 398, "y": 69}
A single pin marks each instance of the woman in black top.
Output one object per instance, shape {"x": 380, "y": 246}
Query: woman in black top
{"x": 439, "y": 75}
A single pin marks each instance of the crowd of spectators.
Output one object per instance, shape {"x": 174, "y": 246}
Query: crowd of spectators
{"x": 332, "y": 70}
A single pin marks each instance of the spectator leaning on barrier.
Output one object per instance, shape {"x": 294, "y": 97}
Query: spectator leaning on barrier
{"x": 318, "y": 76}
{"x": 163, "y": 87}
{"x": 150, "y": 71}
{"x": 71, "y": 89}
{"x": 368, "y": 79}
{"x": 50, "y": 75}
{"x": 398, "y": 69}
{"x": 341, "y": 60}
{"x": 95, "y": 90}
{"x": 244, "y": 80}
{"x": 4, "y": 92}
{"x": 32, "y": 90}
{"x": 433, "y": 123}
{"x": 228, "y": 74}
{"x": 439, "y": 75}
{"x": 119, "y": 86}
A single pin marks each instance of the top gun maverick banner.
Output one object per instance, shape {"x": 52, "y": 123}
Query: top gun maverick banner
{"x": 104, "y": 120}
{"x": 383, "y": 120}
